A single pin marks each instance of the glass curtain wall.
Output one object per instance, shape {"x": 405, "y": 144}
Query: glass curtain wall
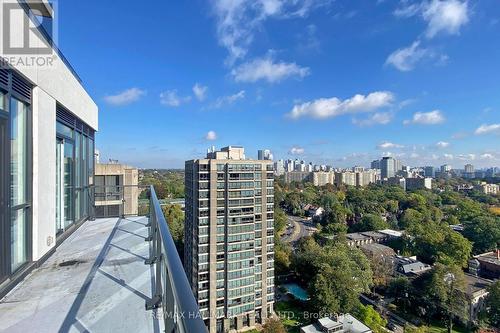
{"x": 15, "y": 173}
{"x": 68, "y": 187}
{"x": 4, "y": 196}
{"x": 18, "y": 184}
{"x": 77, "y": 166}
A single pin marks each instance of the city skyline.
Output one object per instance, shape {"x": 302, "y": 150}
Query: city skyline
{"x": 298, "y": 78}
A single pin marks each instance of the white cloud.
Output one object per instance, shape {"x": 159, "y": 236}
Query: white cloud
{"x": 378, "y": 118}
{"x": 200, "y": 91}
{"x": 266, "y": 69}
{"x": 448, "y": 156}
{"x": 211, "y": 136}
{"x": 237, "y": 20}
{"x": 171, "y": 98}
{"x": 442, "y": 144}
{"x": 426, "y": 118}
{"x": 445, "y": 17}
{"x": 442, "y": 16}
{"x": 405, "y": 59}
{"x": 409, "y": 10}
{"x": 332, "y": 107}
{"x": 488, "y": 129}
{"x": 296, "y": 150}
{"x": 389, "y": 145}
{"x": 486, "y": 156}
{"x": 414, "y": 155}
{"x": 125, "y": 97}
{"x": 466, "y": 157}
{"x": 228, "y": 100}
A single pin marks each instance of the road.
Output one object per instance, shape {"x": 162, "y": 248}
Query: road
{"x": 298, "y": 228}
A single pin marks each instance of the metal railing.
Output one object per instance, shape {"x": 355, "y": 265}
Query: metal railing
{"x": 118, "y": 200}
{"x": 172, "y": 290}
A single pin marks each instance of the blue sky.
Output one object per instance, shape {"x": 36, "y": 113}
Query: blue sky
{"x": 339, "y": 82}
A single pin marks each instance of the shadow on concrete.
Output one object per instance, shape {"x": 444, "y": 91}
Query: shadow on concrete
{"x": 128, "y": 251}
{"x": 71, "y": 320}
{"x": 130, "y": 232}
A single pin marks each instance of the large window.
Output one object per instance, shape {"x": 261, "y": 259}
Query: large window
{"x": 78, "y": 146}
{"x": 19, "y": 182}
{"x": 2, "y": 101}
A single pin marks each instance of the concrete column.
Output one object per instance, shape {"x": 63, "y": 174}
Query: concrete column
{"x": 226, "y": 325}
{"x": 212, "y": 248}
{"x": 252, "y": 320}
{"x": 239, "y": 323}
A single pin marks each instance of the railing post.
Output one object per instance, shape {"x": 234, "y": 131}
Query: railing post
{"x": 152, "y": 236}
{"x": 156, "y": 259}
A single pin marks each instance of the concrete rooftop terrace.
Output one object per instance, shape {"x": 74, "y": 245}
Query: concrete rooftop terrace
{"x": 96, "y": 281}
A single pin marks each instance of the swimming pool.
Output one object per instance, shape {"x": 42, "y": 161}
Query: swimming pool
{"x": 297, "y": 291}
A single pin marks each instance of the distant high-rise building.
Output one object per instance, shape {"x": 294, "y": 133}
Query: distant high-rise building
{"x": 469, "y": 168}
{"x": 398, "y": 166}
{"x": 387, "y": 167}
{"x": 445, "y": 168}
{"x": 375, "y": 164}
{"x": 279, "y": 167}
{"x": 321, "y": 178}
{"x": 310, "y": 167}
{"x": 418, "y": 183}
{"x": 264, "y": 155}
{"x": 302, "y": 166}
{"x": 492, "y": 172}
{"x": 229, "y": 238}
{"x": 116, "y": 191}
{"x": 289, "y": 166}
{"x": 429, "y": 171}
{"x": 358, "y": 169}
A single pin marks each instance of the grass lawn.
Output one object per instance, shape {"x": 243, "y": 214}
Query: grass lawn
{"x": 291, "y": 315}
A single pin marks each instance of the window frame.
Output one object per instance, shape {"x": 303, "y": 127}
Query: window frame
{"x": 9, "y": 93}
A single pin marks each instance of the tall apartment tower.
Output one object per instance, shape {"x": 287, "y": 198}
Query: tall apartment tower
{"x": 387, "y": 167}
{"x": 229, "y": 238}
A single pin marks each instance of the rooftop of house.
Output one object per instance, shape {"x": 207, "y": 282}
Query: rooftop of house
{"x": 492, "y": 257}
{"x": 410, "y": 265}
{"x": 356, "y": 236}
{"x": 390, "y": 232}
{"x": 476, "y": 284}
{"x": 375, "y": 248}
{"x": 374, "y": 234}
{"x": 342, "y": 324}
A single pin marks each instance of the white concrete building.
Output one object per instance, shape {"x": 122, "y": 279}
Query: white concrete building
{"x": 345, "y": 323}
{"x": 321, "y": 178}
{"x": 47, "y": 126}
{"x": 279, "y": 167}
{"x": 489, "y": 188}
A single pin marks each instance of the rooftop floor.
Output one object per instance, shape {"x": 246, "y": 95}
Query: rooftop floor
{"x": 96, "y": 281}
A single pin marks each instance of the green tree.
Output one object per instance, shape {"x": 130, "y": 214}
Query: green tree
{"x": 324, "y": 297}
{"x": 279, "y": 221}
{"x": 455, "y": 249}
{"x": 371, "y": 222}
{"x": 338, "y": 275}
{"x": 371, "y": 318}
{"x": 282, "y": 261}
{"x": 175, "y": 219}
{"x": 273, "y": 325}
{"x": 432, "y": 242}
{"x": 447, "y": 287}
{"x": 484, "y": 233}
{"x": 410, "y": 217}
{"x": 493, "y": 304}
